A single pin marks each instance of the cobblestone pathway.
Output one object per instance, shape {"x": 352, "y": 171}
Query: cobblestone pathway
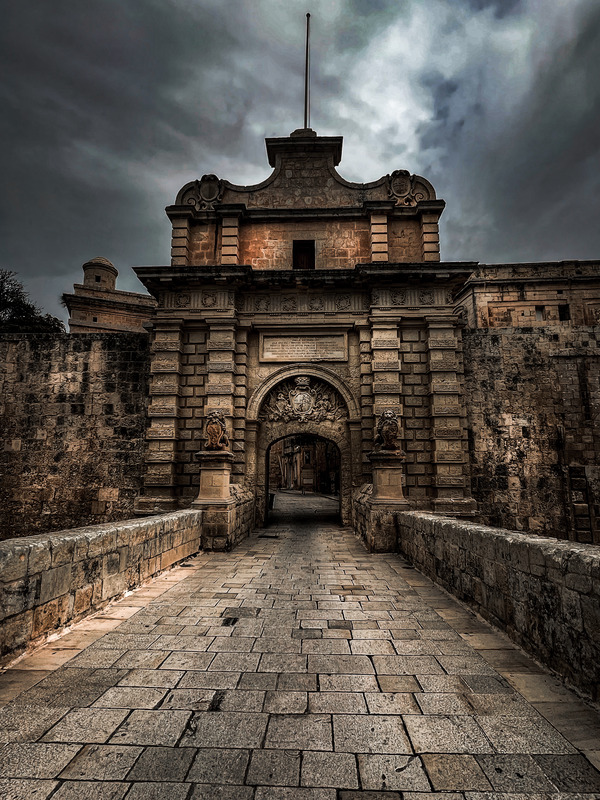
{"x": 297, "y": 666}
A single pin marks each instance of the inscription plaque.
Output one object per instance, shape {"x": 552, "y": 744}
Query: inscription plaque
{"x": 287, "y": 347}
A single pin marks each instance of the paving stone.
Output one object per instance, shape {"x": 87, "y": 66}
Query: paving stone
{"x": 225, "y": 729}
{"x": 370, "y": 734}
{"x": 101, "y": 762}
{"x": 451, "y": 772}
{"x": 162, "y": 764}
{"x": 152, "y": 678}
{"x": 399, "y": 683}
{"x": 215, "y": 791}
{"x": 391, "y": 772}
{"x": 26, "y": 789}
{"x": 27, "y": 723}
{"x": 514, "y": 773}
{"x": 158, "y": 791}
{"x": 91, "y": 790}
{"x": 302, "y": 732}
{"x": 571, "y": 773}
{"x": 242, "y": 700}
{"x": 286, "y": 702}
{"x": 181, "y": 660}
{"x": 274, "y": 768}
{"x": 87, "y": 725}
{"x": 407, "y": 665}
{"x": 291, "y": 793}
{"x": 130, "y": 697}
{"x": 223, "y": 765}
{"x": 443, "y": 703}
{"x": 190, "y": 699}
{"x": 141, "y": 659}
{"x": 348, "y": 683}
{"x": 336, "y": 770}
{"x": 336, "y": 703}
{"x": 152, "y": 727}
{"x": 452, "y": 734}
{"x": 524, "y": 735}
{"x": 257, "y": 680}
{"x": 348, "y": 665}
{"x": 391, "y": 703}
{"x": 297, "y": 682}
{"x": 209, "y": 680}
{"x": 234, "y": 662}
{"x": 35, "y": 760}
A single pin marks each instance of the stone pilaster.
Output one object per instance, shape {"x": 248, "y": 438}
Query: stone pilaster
{"x": 160, "y": 492}
{"x": 379, "y": 237}
{"x": 431, "y": 236}
{"x": 366, "y": 398}
{"x": 448, "y": 434}
{"x": 220, "y": 386}
{"x": 180, "y": 242}
{"x": 239, "y": 403}
{"x": 230, "y": 240}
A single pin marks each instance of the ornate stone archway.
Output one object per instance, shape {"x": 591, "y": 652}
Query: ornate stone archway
{"x": 298, "y": 400}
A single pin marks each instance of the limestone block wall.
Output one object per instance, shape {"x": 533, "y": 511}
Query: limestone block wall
{"x": 544, "y": 593}
{"x": 49, "y": 580}
{"x": 338, "y": 243}
{"x": 533, "y": 406}
{"x": 73, "y": 418}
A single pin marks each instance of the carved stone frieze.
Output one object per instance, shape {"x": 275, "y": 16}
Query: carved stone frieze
{"x": 304, "y": 399}
{"x": 216, "y": 435}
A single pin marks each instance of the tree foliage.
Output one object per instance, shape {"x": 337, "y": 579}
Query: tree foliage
{"x": 18, "y": 314}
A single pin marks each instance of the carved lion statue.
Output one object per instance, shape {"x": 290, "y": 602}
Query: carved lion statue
{"x": 216, "y": 435}
{"x": 388, "y": 429}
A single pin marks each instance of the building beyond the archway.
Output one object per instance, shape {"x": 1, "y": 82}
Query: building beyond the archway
{"x": 307, "y": 305}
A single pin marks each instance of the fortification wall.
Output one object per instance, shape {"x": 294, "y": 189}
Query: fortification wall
{"x": 543, "y": 592}
{"x": 533, "y": 406}
{"x": 73, "y": 417}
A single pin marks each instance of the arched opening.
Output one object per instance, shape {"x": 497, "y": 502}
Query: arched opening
{"x": 303, "y": 401}
{"x": 303, "y": 477}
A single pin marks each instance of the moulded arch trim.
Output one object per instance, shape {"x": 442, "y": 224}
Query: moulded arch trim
{"x": 282, "y": 374}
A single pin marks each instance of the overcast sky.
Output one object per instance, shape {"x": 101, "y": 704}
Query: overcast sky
{"x": 109, "y": 106}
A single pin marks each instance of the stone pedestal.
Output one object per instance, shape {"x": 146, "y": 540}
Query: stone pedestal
{"x": 215, "y": 499}
{"x": 379, "y": 529}
{"x": 387, "y": 475}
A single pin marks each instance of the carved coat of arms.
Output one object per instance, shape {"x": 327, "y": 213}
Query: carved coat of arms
{"x": 303, "y": 402}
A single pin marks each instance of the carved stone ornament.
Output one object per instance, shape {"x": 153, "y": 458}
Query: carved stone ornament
{"x": 216, "y": 435}
{"x": 406, "y": 189}
{"x": 398, "y": 297}
{"x": 316, "y": 303}
{"x": 209, "y": 299}
{"x": 343, "y": 302}
{"x": 303, "y": 400}
{"x": 205, "y": 193}
{"x": 426, "y": 297}
{"x": 262, "y": 302}
{"x": 289, "y": 303}
{"x": 388, "y": 430}
{"x": 182, "y": 300}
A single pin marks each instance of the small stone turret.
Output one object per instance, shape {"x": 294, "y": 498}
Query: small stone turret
{"x": 100, "y": 273}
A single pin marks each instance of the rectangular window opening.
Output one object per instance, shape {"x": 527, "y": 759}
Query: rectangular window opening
{"x": 98, "y": 279}
{"x": 540, "y": 313}
{"x": 303, "y": 254}
{"x": 564, "y": 312}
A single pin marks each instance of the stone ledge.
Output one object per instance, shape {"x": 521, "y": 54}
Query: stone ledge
{"x": 50, "y": 580}
{"x": 544, "y": 593}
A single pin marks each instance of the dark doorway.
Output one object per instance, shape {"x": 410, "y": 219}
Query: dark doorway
{"x": 303, "y": 465}
{"x": 303, "y": 254}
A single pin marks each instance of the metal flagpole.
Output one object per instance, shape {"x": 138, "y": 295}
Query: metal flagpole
{"x": 307, "y": 76}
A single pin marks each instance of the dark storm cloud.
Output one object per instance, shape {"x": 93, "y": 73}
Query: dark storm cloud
{"x": 109, "y": 107}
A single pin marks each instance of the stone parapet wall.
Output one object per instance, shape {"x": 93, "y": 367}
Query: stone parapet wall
{"x": 544, "y": 593}
{"x": 50, "y": 580}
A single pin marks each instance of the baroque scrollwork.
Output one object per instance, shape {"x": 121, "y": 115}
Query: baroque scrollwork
{"x": 304, "y": 399}
{"x": 205, "y": 193}
{"x": 406, "y": 189}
